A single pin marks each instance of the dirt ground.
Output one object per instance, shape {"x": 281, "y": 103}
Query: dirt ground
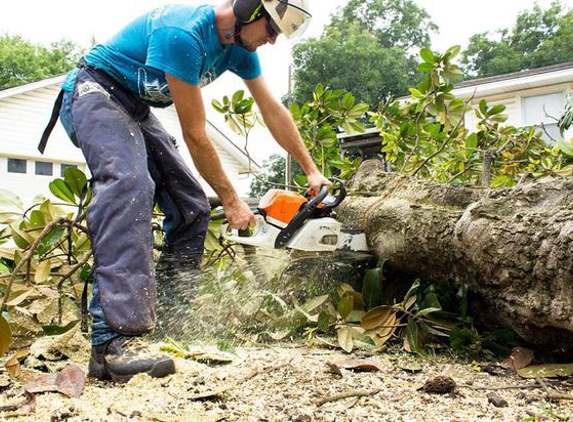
{"x": 295, "y": 383}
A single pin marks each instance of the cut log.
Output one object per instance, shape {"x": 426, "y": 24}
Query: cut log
{"x": 512, "y": 247}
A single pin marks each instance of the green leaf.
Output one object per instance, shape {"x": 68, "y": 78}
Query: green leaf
{"x": 428, "y": 56}
{"x": 61, "y": 190}
{"x": 412, "y": 335}
{"x": 412, "y": 291}
{"x": 5, "y": 336}
{"x": 323, "y": 321}
{"x": 85, "y": 273}
{"x": 238, "y": 96}
{"x": 427, "y": 311}
{"x": 425, "y": 67}
{"x": 219, "y": 107}
{"x": 37, "y": 218}
{"x": 20, "y": 238}
{"x": 566, "y": 146}
{"x": 345, "y": 306}
{"x": 50, "y": 240}
{"x": 500, "y": 108}
{"x": 472, "y": 141}
{"x": 453, "y": 51}
{"x": 4, "y": 269}
{"x": 358, "y": 110}
{"x": 348, "y": 101}
{"x": 372, "y": 285}
{"x": 76, "y": 180}
{"x": 483, "y": 107}
{"x": 55, "y": 330}
{"x": 319, "y": 91}
{"x": 499, "y": 118}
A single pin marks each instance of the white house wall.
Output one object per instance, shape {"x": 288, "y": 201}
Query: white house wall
{"x": 514, "y": 101}
{"x": 24, "y": 115}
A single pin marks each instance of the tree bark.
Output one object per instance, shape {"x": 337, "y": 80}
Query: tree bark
{"x": 512, "y": 247}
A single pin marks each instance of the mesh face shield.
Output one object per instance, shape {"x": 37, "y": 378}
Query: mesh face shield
{"x": 288, "y": 17}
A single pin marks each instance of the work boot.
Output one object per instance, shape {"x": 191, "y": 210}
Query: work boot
{"x": 123, "y": 357}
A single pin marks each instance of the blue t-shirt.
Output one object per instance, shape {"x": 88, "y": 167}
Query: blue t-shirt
{"x": 181, "y": 40}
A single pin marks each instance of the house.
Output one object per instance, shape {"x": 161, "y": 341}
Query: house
{"x": 533, "y": 97}
{"x": 24, "y": 113}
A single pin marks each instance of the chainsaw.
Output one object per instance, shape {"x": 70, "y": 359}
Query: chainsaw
{"x": 288, "y": 220}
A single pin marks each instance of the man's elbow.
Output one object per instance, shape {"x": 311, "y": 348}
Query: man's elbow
{"x": 196, "y": 138}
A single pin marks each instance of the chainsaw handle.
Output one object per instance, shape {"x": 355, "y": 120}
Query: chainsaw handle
{"x": 320, "y": 197}
{"x": 338, "y": 193}
{"x": 222, "y": 216}
{"x": 262, "y": 235}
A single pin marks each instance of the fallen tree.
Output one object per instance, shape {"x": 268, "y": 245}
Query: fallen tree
{"x": 512, "y": 247}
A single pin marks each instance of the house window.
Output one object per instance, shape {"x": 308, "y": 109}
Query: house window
{"x": 16, "y": 166}
{"x": 44, "y": 169}
{"x": 63, "y": 168}
{"x": 542, "y": 112}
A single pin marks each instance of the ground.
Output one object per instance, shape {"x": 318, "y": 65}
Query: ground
{"x": 284, "y": 383}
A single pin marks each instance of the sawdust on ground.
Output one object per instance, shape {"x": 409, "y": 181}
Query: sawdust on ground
{"x": 284, "y": 383}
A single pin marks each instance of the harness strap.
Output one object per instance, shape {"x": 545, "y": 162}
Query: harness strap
{"x": 85, "y": 311}
{"x": 52, "y": 122}
{"x": 84, "y": 319}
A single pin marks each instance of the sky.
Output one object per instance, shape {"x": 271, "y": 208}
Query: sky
{"x": 47, "y": 21}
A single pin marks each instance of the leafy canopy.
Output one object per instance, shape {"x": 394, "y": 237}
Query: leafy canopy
{"x": 22, "y": 62}
{"x": 539, "y": 37}
{"x": 368, "y": 50}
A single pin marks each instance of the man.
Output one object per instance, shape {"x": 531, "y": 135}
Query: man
{"x": 161, "y": 58}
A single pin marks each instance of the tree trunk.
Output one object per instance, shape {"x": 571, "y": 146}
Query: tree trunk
{"x": 513, "y": 247}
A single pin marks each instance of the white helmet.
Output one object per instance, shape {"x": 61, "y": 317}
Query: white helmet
{"x": 289, "y": 17}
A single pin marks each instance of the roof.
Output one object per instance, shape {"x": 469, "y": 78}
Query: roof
{"x": 516, "y": 75}
{"x": 225, "y": 142}
{"x": 368, "y": 133}
{"x": 516, "y": 81}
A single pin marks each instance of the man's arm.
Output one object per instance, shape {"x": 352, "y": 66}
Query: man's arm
{"x": 189, "y": 105}
{"x": 284, "y": 130}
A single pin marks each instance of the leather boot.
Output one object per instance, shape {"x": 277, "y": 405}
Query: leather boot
{"x": 123, "y": 357}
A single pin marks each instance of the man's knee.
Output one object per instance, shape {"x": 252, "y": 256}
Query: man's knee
{"x": 133, "y": 184}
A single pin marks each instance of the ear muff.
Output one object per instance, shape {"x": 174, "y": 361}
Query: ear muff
{"x": 248, "y": 11}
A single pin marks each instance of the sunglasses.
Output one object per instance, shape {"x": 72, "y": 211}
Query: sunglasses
{"x": 272, "y": 29}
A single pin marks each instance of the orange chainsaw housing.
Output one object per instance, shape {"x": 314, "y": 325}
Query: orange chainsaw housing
{"x": 281, "y": 205}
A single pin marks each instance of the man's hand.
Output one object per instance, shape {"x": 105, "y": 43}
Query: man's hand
{"x": 316, "y": 181}
{"x": 239, "y": 214}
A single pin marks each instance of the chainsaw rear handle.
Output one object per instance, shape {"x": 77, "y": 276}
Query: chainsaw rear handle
{"x": 223, "y": 216}
{"x": 257, "y": 236}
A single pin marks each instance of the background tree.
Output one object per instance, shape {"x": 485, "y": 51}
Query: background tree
{"x": 368, "y": 49}
{"x": 22, "y": 61}
{"x": 538, "y": 38}
{"x": 274, "y": 169}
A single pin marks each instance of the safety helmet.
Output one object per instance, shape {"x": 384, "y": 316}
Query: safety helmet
{"x": 289, "y": 17}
